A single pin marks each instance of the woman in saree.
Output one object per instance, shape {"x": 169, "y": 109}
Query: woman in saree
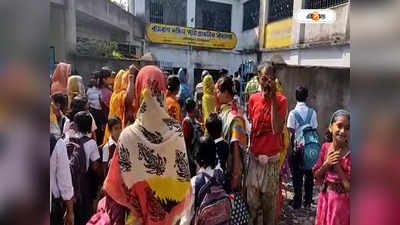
{"x": 147, "y": 182}
{"x": 121, "y": 101}
{"x": 115, "y": 100}
{"x": 208, "y": 100}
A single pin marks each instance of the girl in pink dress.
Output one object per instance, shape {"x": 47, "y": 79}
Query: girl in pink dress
{"x": 332, "y": 171}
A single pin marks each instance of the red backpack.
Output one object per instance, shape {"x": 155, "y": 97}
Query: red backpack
{"x": 212, "y": 203}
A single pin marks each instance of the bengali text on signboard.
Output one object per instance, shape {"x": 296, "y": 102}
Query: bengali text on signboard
{"x": 167, "y": 34}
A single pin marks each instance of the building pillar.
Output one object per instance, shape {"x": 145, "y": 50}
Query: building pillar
{"x": 140, "y": 9}
{"x": 263, "y": 21}
{"x": 297, "y": 28}
{"x": 237, "y": 21}
{"x": 70, "y": 27}
{"x": 131, "y": 7}
{"x": 191, "y": 13}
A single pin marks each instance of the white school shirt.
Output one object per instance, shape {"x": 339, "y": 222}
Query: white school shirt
{"x": 60, "y": 173}
{"x": 93, "y": 95}
{"x": 302, "y": 109}
{"x": 69, "y": 132}
{"x": 90, "y": 148}
{"x": 106, "y": 152}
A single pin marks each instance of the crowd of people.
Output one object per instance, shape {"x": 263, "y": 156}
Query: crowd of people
{"x": 139, "y": 147}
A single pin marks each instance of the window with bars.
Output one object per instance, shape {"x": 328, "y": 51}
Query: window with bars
{"x": 213, "y": 16}
{"x": 156, "y": 11}
{"x": 170, "y": 12}
{"x": 251, "y": 14}
{"x": 322, "y": 4}
{"x": 279, "y": 9}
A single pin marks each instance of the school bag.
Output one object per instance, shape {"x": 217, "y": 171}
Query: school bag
{"x": 197, "y": 133}
{"x": 212, "y": 203}
{"x": 77, "y": 158}
{"x": 306, "y": 141}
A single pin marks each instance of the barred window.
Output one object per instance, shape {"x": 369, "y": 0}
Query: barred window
{"x": 251, "y": 14}
{"x": 170, "y": 12}
{"x": 213, "y": 15}
{"x": 323, "y": 4}
{"x": 156, "y": 11}
{"x": 280, "y": 9}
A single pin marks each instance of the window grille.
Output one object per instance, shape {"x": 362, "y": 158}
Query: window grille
{"x": 156, "y": 11}
{"x": 251, "y": 14}
{"x": 323, "y": 4}
{"x": 280, "y": 9}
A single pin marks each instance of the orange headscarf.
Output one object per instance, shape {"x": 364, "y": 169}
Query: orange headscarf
{"x": 145, "y": 176}
{"x": 117, "y": 99}
{"x": 59, "y": 80}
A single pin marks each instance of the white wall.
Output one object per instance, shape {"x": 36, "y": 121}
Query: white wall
{"x": 191, "y": 13}
{"x": 140, "y": 8}
{"x": 329, "y": 56}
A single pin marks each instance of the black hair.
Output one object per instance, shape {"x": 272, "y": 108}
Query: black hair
{"x": 83, "y": 121}
{"x": 226, "y": 84}
{"x": 113, "y": 121}
{"x": 206, "y": 155}
{"x": 328, "y": 134}
{"x": 214, "y": 125}
{"x": 223, "y": 72}
{"x": 78, "y": 104}
{"x": 173, "y": 83}
{"x": 104, "y": 73}
{"x": 265, "y": 65}
{"x": 301, "y": 94}
{"x": 61, "y": 99}
{"x": 190, "y": 105}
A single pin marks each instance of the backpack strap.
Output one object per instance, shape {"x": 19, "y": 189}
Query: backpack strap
{"x": 309, "y": 115}
{"x": 53, "y": 142}
{"x": 299, "y": 119}
{"x": 198, "y": 184}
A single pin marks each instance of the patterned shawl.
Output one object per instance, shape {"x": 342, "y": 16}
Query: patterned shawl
{"x": 208, "y": 101}
{"x": 149, "y": 174}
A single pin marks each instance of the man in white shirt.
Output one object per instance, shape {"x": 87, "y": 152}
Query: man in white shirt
{"x": 296, "y": 158}
{"x": 60, "y": 185}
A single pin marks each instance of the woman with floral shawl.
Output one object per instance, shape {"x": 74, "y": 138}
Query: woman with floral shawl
{"x": 208, "y": 101}
{"x": 148, "y": 181}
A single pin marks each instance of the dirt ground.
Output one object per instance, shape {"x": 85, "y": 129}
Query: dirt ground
{"x": 300, "y": 216}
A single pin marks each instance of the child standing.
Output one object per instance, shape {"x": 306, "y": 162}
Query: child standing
{"x": 214, "y": 127}
{"x": 85, "y": 180}
{"x": 107, "y": 150}
{"x": 332, "y": 170}
{"x": 191, "y": 132}
{"x": 206, "y": 161}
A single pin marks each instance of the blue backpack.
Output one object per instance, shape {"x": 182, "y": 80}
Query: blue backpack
{"x": 307, "y": 140}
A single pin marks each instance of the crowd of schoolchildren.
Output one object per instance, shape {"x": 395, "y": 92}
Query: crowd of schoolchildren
{"x": 138, "y": 147}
